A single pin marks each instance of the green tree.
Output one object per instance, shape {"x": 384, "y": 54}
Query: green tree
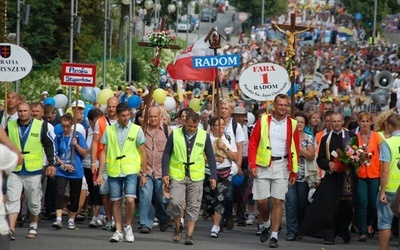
{"x": 272, "y": 8}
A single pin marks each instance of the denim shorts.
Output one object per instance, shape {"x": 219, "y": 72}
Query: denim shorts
{"x": 385, "y": 214}
{"x": 120, "y": 184}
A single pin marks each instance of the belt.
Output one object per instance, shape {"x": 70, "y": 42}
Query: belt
{"x": 277, "y": 158}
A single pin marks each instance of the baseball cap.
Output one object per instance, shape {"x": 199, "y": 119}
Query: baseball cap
{"x": 45, "y": 93}
{"x": 81, "y": 104}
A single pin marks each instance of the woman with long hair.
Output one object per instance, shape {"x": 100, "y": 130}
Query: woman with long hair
{"x": 368, "y": 176}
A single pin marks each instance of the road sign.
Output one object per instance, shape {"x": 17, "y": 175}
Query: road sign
{"x": 263, "y": 81}
{"x": 78, "y": 74}
{"x": 216, "y": 61}
{"x": 15, "y": 62}
{"x": 243, "y": 16}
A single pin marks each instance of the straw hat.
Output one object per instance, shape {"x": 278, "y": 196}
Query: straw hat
{"x": 299, "y": 94}
{"x": 362, "y": 99}
{"x": 345, "y": 98}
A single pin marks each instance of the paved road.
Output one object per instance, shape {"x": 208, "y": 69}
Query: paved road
{"x": 239, "y": 238}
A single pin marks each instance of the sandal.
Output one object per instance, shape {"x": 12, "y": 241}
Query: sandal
{"x": 362, "y": 238}
{"x": 32, "y": 233}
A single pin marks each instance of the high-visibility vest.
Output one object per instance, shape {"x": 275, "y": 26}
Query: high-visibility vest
{"x": 263, "y": 156}
{"x": 33, "y": 149}
{"x": 126, "y": 161}
{"x": 394, "y": 172}
{"x": 102, "y": 123}
{"x": 374, "y": 169}
{"x": 179, "y": 158}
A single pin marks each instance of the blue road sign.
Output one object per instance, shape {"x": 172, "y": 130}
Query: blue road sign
{"x": 216, "y": 61}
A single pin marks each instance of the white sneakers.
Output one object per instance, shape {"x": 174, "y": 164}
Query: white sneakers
{"x": 118, "y": 236}
{"x": 129, "y": 234}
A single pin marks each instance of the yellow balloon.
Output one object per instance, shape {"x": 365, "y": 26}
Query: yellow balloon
{"x": 159, "y": 95}
{"x": 195, "y": 104}
{"x": 69, "y": 111}
{"x": 104, "y": 95}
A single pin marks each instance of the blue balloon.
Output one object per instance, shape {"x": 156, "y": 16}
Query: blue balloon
{"x": 88, "y": 94}
{"x": 88, "y": 107}
{"x": 237, "y": 180}
{"x": 49, "y": 100}
{"x": 58, "y": 129}
{"x": 296, "y": 89}
{"x": 134, "y": 102}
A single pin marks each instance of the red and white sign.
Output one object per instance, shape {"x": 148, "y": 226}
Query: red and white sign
{"x": 78, "y": 74}
{"x": 263, "y": 81}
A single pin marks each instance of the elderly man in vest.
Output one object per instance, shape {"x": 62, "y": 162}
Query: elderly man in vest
{"x": 31, "y": 136}
{"x": 183, "y": 171}
{"x": 273, "y": 162}
{"x": 390, "y": 179}
{"x": 124, "y": 154}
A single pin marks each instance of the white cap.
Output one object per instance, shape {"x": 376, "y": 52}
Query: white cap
{"x": 45, "y": 93}
{"x": 81, "y": 104}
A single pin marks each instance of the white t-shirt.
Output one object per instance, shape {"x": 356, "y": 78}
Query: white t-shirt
{"x": 9, "y": 118}
{"x": 239, "y": 133}
{"x": 89, "y": 138}
{"x": 50, "y": 129}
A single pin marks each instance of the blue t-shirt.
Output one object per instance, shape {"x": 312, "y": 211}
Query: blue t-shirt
{"x": 63, "y": 151}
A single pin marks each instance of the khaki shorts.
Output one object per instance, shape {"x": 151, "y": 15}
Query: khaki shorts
{"x": 264, "y": 188}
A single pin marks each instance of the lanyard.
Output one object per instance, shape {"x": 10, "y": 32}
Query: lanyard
{"x": 22, "y": 136}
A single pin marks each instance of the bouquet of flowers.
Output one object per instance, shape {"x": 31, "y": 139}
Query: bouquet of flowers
{"x": 352, "y": 156}
{"x": 160, "y": 38}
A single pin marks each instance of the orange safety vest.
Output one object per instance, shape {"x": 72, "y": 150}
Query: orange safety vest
{"x": 103, "y": 123}
{"x": 374, "y": 169}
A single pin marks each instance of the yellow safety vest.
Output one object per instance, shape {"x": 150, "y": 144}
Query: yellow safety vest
{"x": 126, "y": 161}
{"x": 33, "y": 149}
{"x": 179, "y": 156}
{"x": 263, "y": 156}
{"x": 394, "y": 173}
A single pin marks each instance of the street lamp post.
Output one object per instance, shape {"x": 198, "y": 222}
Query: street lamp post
{"x": 211, "y": 3}
{"x": 171, "y": 9}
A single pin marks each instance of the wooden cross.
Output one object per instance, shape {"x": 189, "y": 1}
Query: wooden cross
{"x": 291, "y": 31}
{"x": 155, "y": 58}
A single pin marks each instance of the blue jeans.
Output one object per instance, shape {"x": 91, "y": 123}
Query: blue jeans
{"x": 296, "y": 205}
{"x": 152, "y": 191}
{"x": 367, "y": 192}
{"x": 120, "y": 184}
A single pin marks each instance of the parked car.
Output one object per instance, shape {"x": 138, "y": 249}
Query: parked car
{"x": 184, "y": 26}
{"x": 208, "y": 14}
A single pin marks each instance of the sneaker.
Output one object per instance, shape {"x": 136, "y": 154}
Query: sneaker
{"x": 108, "y": 226}
{"x": 57, "y": 224}
{"x": 155, "y": 222}
{"x": 71, "y": 225}
{"x": 264, "y": 234}
{"x": 117, "y": 237}
{"x": 92, "y": 224}
{"x": 260, "y": 228}
{"x": 95, "y": 223}
{"x": 189, "y": 240}
{"x": 80, "y": 217}
{"x": 129, "y": 234}
{"x": 214, "y": 234}
{"x": 273, "y": 242}
{"x": 250, "y": 220}
{"x": 12, "y": 234}
{"x": 230, "y": 224}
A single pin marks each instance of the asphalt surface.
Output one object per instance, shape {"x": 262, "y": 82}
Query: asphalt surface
{"x": 238, "y": 238}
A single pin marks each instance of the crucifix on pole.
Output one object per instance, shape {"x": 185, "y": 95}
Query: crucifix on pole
{"x": 291, "y": 31}
{"x": 155, "y": 63}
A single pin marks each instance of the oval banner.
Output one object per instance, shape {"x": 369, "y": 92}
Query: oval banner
{"x": 15, "y": 62}
{"x": 263, "y": 81}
